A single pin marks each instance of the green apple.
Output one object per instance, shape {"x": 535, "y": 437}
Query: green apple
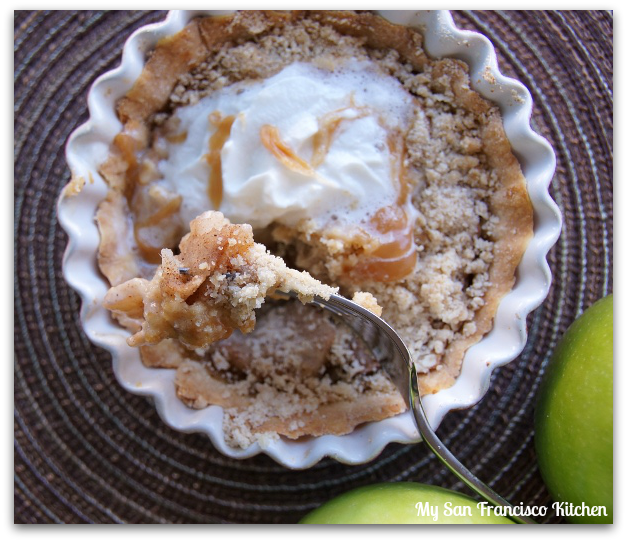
{"x": 402, "y": 502}
{"x": 574, "y": 415}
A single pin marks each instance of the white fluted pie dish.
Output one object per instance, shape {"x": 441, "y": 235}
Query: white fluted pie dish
{"x": 89, "y": 145}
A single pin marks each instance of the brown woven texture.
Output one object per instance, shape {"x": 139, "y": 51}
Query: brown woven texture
{"x": 86, "y": 451}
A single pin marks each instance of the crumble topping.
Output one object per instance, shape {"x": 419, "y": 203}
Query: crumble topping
{"x": 317, "y": 378}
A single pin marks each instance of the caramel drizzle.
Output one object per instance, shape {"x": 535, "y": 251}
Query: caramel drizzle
{"x": 223, "y": 127}
{"x": 152, "y": 254}
{"x": 128, "y": 147}
{"x": 321, "y": 141}
{"x": 329, "y": 125}
{"x": 177, "y": 139}
{"x": 272, "y": 141}
{"x": 394, "y": 256}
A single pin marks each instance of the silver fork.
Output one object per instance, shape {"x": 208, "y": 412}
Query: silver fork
{"x": 392, "y": 354}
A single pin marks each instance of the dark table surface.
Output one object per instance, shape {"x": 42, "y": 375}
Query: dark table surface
{"x": 86, "y": 451}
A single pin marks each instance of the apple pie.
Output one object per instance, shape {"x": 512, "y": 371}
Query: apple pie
{"x": 352, "y": 156}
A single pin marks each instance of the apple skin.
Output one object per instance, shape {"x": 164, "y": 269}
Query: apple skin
{"x": 574, "y": 414}
{"x": 395, "y": 503}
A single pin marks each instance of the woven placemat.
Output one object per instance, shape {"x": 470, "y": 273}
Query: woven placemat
{"x": 86, "y": 451}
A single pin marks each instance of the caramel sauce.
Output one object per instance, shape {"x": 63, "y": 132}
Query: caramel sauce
{"x": 146, "y": 240}
{"x": 149, "y": 233}
{"x": 177, "y": 138}
{"x": 385, "y": 270}
{"x": 214, "y": 159}
{"x": 396, "y": 144}
{"x": 328, "y": 126}
{"x": 321, "y": 141}
{"x": 395, "y": 257}
{"x": 394, "y": 232}
{"x": 128, "y": 146}
{"x": 282, "y": 152}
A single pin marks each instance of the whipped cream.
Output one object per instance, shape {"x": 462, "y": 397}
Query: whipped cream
{"x": 306, "y": 143}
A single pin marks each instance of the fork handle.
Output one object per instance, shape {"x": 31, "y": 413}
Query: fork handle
{"x": 446, "y": 457}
